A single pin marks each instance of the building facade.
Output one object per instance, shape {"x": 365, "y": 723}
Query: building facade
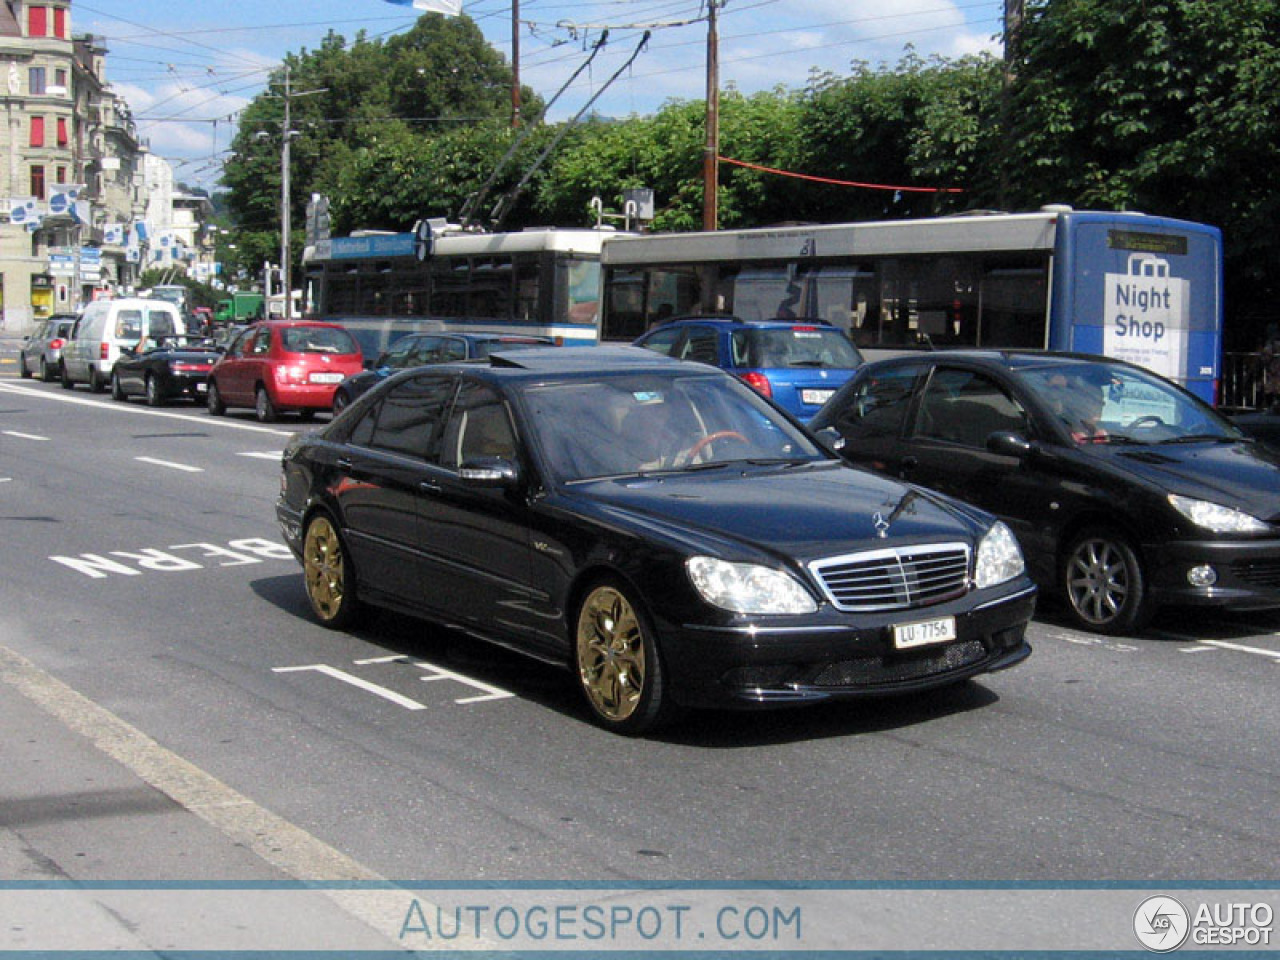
{"x": 71, "y": 167}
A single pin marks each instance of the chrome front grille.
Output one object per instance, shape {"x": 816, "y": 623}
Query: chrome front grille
{"x": 898, "y": 578}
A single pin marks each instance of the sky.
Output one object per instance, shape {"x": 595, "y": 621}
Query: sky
{"x": 187, "y": 67}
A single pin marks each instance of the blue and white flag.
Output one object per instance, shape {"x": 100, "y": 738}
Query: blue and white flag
{"x": 450, "y": 8}
{"x": 113, "y": 233}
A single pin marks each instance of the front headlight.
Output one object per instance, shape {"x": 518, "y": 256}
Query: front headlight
{"x": 748, "y": 587}
{"x": 1216, "y": 517}
{"x": 999, "y": 558}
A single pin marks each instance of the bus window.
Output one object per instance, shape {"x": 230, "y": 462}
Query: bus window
{"x": 1014, "y": 308}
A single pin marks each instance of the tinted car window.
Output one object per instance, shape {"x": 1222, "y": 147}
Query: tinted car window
{"x": 794, "y": 347}
{"x": 961, "y": 406}
{"x": 478, "y": 427}
{"x": 877, "y": 406}
{"x": 318, "y": 340}
{"x": 701, "y": 345}
{"x": 663, "y": 341}
{"x": 408, "y": 419}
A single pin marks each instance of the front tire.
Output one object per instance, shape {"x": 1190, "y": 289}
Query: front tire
{"x": 46, "y": 374}
{"x": 26, "y": 371}
{"x": 263, "y": 407}
{"x": 154, "y": 399}
{"x": 329, "y": 575}
{"x": 64, "y": 377}
{"x": 213, "y": 400}
{"x": 1104, "y": 583}
{"x": 617, "y": 662}
{"x": 117, "y": 388}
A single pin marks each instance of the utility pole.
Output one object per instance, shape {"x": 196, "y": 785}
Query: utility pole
{"x": 1013, "y": 14}
{"x": 711, "y": 152}
{"x": 515, "y": 63}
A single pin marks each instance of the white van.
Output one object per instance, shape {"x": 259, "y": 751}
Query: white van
{"x": 103, "y": 328}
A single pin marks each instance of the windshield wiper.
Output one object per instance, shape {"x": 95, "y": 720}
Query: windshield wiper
{"x": 1200, "y": 438}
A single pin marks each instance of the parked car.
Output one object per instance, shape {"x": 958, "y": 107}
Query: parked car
{"x": 1126, "y": 492}
{"x": 418, "y": 350}
{"x": 42, "y": 350}
{"x": 167, "y": 368}
{"x": 104, "y": 328}
{"x": 283, "y": 366}
{"x": 654, "y": 526}
{"x": 798, "y": 364}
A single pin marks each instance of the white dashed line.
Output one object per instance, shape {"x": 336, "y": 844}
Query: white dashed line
{"x": 23, "y": 436}
{"x": 171, "y": 466}
{"x": 263, "y": 454}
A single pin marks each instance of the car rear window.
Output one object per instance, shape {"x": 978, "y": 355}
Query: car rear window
{"x": 318, "y": 340}
{"x": 798, "y": 346}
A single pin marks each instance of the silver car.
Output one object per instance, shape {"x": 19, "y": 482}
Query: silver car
{"x": 42, "y": 350}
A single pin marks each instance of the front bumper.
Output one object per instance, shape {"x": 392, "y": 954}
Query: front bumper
{"x": 847, "y": 656}
{"x": 1248, "y": 573}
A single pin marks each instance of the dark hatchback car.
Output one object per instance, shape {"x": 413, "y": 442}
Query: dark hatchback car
{"x": 654, "y": 526}
{"x": 799, "y": 364}
{"x": 419, "y": 350}
{"x": 1125, "y": 491}
{"x": 165, "y": 368}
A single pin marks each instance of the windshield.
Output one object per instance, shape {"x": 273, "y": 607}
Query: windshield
{"x": 1101, "y": 402}
{"x": 643, "y": 423}
{"x": 800, "y": 346}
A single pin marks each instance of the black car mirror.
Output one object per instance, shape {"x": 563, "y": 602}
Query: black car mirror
{"x": 490, "y": 472}
{"x": 1010, "y": 445}
{"x": 831, "y": 439}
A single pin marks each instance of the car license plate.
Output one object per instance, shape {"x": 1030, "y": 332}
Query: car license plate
{"x": 327, "y": 378}
{"x": 924, "y": 632}
{"x": 816, "y": 396}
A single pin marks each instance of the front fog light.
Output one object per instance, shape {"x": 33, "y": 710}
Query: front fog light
{"x": 1202, "y": 576}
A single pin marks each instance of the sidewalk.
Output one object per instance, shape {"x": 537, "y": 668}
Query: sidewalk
{"x": 108, "y": 841}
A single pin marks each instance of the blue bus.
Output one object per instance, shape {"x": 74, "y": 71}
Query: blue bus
{"x": 1140, "y": 288}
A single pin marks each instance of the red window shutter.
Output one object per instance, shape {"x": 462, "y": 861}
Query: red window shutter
{"x": 60, "y": 23}
{"x": 62, "y": 131}
{"x": 37, "y": 22}
{"x": 37, "y": 131}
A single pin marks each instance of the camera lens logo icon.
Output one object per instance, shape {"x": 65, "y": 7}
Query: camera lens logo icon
{"x": 1161, "y": 924}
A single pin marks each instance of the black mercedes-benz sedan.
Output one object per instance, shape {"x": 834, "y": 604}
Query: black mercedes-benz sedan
{"x": 654, "y": 526}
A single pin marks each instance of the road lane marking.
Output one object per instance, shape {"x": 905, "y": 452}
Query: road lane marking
{"x": 345, "y": 677}
{"x": 206, "y": 420}
{"x": 1241, "y": 648}
{"x": 170, "y": 465}
{"x": 440, "y": 673}
{"x": 263, "y": 454}
{"x": 23, "y": 436}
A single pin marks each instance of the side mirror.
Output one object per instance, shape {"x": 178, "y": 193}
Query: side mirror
{"x": 490, "y": 472}
{"x": 831, "y": 439}
{"x": 1010, "y": 445}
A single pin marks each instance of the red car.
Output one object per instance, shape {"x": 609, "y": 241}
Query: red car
{"x": 280, "y": 367}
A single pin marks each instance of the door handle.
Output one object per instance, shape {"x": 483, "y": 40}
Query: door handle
{"x": 344, "y": 463}
{"x": 429, "y": 486}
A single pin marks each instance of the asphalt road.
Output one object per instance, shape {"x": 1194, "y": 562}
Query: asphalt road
{"x": 143, "y": 572}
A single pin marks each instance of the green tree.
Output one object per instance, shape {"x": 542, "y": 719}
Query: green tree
{"x": 1165, "y": 106}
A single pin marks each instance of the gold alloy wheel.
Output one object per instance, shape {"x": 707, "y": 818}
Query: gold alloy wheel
{"x": 323, "y": 569}
{"x": 610, "y": 653}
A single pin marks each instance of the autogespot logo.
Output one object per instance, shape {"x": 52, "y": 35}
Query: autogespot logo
{"x": 1161, "y": 924}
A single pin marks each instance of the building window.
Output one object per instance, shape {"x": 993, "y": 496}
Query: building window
{"x": 60, "y": 175}
{"x": 37, "y": 22}
{"x": 37, "y": 131}
{"x": 60, "y": 23}
{"x": 62, "y": 131}
{"x": 60, "y": 78}
{"x": 35, "y": 80}
{"x": 37, "y": 182}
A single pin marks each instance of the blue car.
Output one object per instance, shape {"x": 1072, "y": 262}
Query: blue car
{"x": 798, "y": 364}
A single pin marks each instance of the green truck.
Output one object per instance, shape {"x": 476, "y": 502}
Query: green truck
{"x": 240, "y": 308}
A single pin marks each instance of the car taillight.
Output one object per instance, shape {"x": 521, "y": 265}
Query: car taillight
{"x": 104, "y": 350}
{"x": 184, "y": 366}
{"x": 759, "y": 383}
{"x": 291, "y": 374}
{"x": 56, "y": 343}
{"x": 804, "y": 329}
